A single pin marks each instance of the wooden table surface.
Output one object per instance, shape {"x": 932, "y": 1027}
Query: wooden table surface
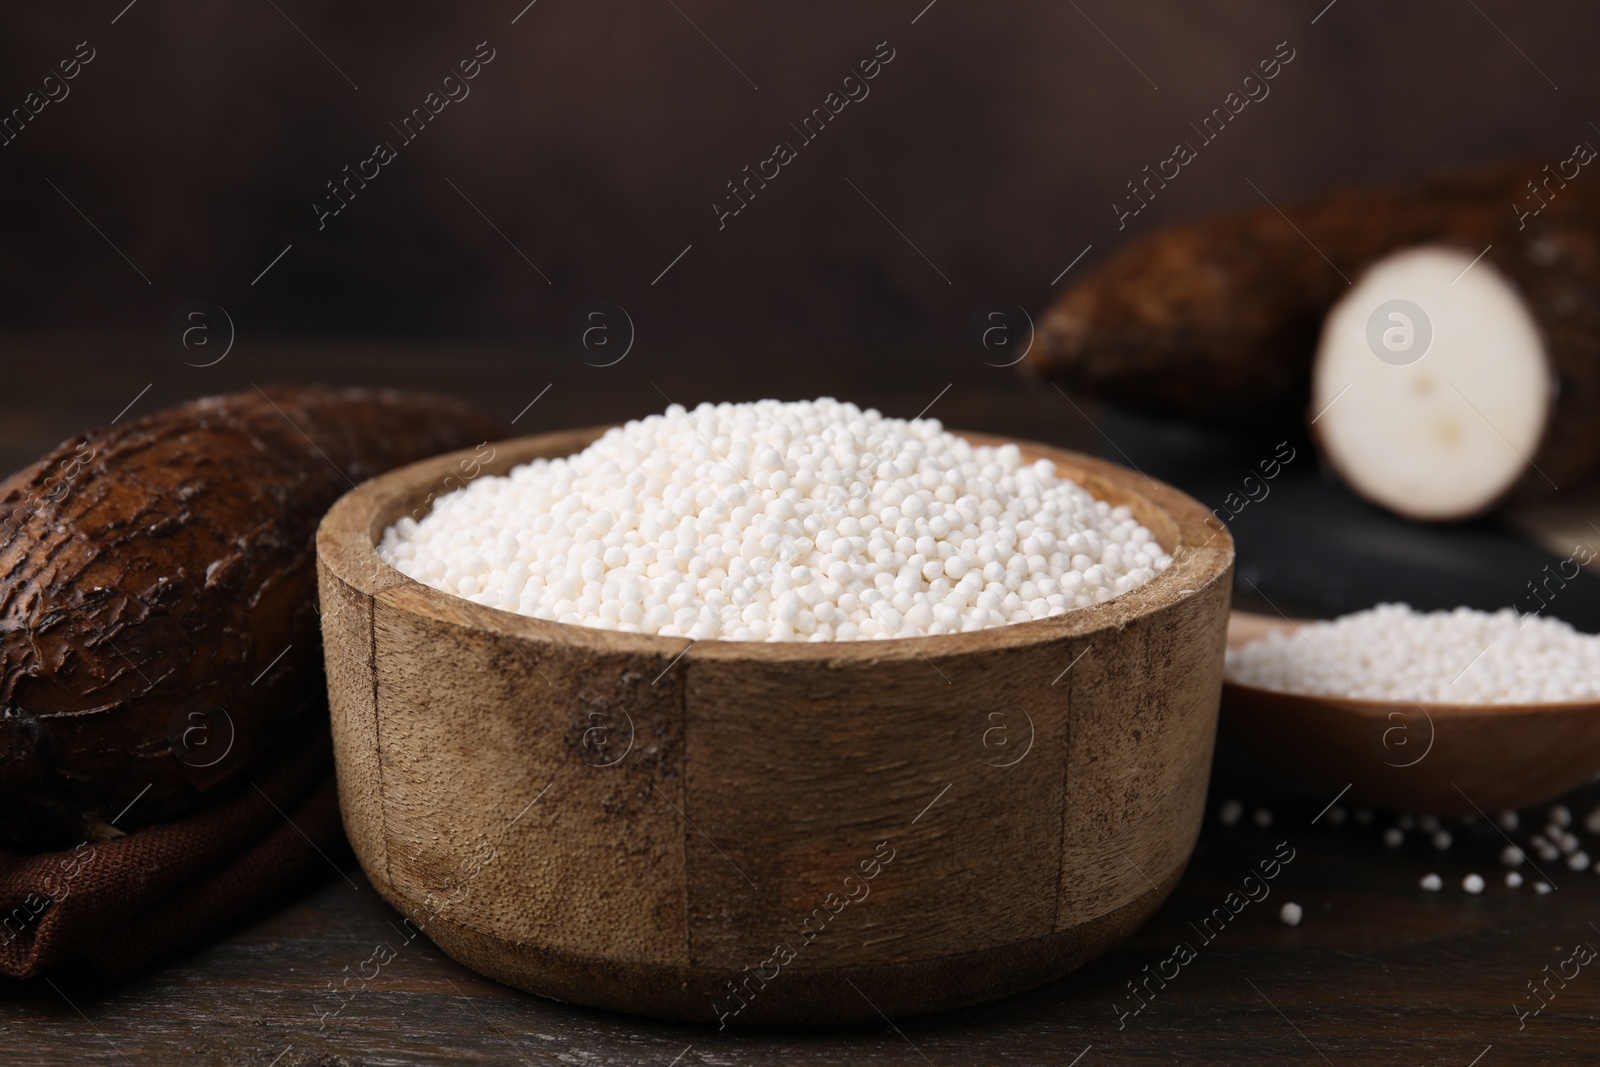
{"x": 1378, "y": 972}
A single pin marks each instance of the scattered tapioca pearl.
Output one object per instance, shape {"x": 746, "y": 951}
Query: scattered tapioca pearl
{"x": 1229, "y": 812}
{"x": 1541, "y": 888}
{"x": 1336, "y": 816}
{"x": 1561, "y": 815}
{"x": 1473, "y": 883}
{"x": 1393, "y": 837}
{"x": 1512, "y": 856}
{"x": 1263, "y": 818}
{"x": 1290, "y": 914}
{"x": 1578, "y": 860}
{"x": 1407, "y": 822}
{"x": 1591, "y": 822}
{"x": 1568, "y": 843}
{"x": 1513, "y": 879}
{"x": 1442, "y": 840}
{"x": 1432, "y": 883}
{"x": 1508, "y": 820}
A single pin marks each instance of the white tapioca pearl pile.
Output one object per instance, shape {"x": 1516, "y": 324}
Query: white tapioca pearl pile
{"x": 807, "y": 521}
{"x": 1453, "y": 657}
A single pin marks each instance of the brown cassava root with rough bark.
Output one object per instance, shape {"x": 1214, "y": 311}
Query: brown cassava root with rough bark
{"x": 158, "y": 624}
{"x": 1217, "y": 321}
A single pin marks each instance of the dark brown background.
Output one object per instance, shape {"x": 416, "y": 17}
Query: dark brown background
{"x": 598, "y": 138}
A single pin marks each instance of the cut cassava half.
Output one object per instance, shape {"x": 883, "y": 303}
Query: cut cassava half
{"x": 158, "y": 623}
{"x": 1217, "y": 321}
{"x": 1433, "y": 386}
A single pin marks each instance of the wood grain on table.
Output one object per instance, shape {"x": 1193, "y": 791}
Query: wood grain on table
{"x": 1379, "y": 971}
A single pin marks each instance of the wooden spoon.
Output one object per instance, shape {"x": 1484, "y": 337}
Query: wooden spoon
{"x": 1440, "y": 758}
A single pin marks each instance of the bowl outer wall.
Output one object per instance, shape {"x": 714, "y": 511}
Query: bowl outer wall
{"x": 625, "y": 821}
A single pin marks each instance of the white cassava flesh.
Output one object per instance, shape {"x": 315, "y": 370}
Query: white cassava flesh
{"x": 1447, "y": 434}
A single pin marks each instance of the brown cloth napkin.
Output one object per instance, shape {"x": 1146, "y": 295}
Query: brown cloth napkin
{"x": 117, "y": 906}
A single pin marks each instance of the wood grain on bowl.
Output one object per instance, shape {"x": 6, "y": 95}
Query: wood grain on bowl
{"x": 771, "y": 832}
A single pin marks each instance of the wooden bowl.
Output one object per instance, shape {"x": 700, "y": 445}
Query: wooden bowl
{"x": 1448, "y": 759}
{"x": 770, "y": 832}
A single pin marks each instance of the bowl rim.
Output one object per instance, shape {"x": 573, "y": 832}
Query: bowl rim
{"x": 348, "y": 534}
